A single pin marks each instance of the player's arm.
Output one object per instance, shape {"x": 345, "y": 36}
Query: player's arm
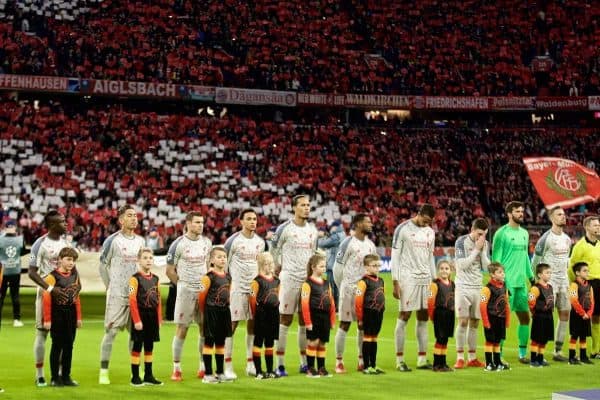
{"x": 253, "y": 295}
{"x": 432, "y": 269}
{"x": 538, "y": 253}
{"x": 485, "y": 298}
{"x": 133, "y": 304}
{"x": 204, "y": 286}
{"x": 433, "y": 289}
{"x": 1, "y": 273}
{"x": 397, "y": 246}
{"x": 105, "y": 258}
{"x": 172, "y": 259}
{"x": 577, "y": 253}
{"x": 359, "y": 300}
{"x": 47, "y": 303}
{"x": 462, "y": 260}
{"x": 534, "y": 293}
{"x": 485, "y": 256}
{"x": 340, "y": 261}
{"x": 497, "y": 245}
{"x": 277, "y": 242}
{"x": 528, "y": 269}
{"x": 305, "y": 303}
{"x": 34, "y": 266}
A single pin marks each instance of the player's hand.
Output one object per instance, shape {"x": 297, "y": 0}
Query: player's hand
{"x": 360, "y": 325}
{"x": 79, "y": 323}
{"x": 480, "y": 242}
{"x": 396, "y": 292}
{"x": 488, "y": 326}
{"x": 138, "y": 326}
{"x": 585, "y": 316}
{"x": 309, "y": 327}
{"x": 277, "y": 270}
{"x": 47, "y": 325}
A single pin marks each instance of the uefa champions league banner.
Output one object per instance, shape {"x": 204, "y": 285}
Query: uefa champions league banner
{"x": 561, "y": 182}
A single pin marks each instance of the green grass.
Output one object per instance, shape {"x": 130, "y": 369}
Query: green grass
{"x": 17, "y": 372}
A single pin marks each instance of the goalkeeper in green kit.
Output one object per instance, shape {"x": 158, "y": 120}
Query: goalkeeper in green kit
{"x": 510, "y": 248}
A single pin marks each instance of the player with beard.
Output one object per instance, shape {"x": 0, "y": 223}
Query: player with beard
{"x": 118, "y": 262}
{"x": 553, "y": 248}
{"x": 187, "y": 261}
{"x": 510, "y": 247}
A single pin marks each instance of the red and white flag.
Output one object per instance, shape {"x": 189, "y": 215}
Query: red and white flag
{"x": 561, "y": 182}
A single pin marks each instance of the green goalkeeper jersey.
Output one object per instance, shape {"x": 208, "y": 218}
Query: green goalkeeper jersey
{"x": 510, "y": 248}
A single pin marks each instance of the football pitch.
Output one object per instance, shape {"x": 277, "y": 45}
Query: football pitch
{"x": 522, "y": 382}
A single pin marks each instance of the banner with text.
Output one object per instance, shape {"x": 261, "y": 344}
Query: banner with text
{"x": 255, "y": 97}
{"x": 594, "y": 103}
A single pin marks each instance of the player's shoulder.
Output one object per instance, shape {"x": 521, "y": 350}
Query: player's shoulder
{"x": 111, "y": 238}
{"x": 38, "y": 242}
{"x": 461, "y": 241}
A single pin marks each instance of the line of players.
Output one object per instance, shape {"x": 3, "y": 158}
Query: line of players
{"x": 292, "y": 245}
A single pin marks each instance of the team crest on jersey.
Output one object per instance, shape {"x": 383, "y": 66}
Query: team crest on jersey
{"x": 359, "y": 292}
{"x": 483, "y": 298}
{"x": 573, "y": 293}
{"x": 531, "y": 296}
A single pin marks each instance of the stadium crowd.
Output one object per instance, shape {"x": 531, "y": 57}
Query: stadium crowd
{"x": 477, "y": 47}
{"x": 85, "y": 159}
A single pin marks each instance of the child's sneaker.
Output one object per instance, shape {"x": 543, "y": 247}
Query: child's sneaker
{"x": 303, "y": 369}
{"x": 312, "y": 373}
{"x": 260, "y": 376}
{"x": 324, "y": 373}
{"x": 210, "y": 379}
{"x": 137, "y": 381}
{"x": 503, "y": 367}
{"x": 490, "y": 368}
{"x": 201, "y": 373}
{"x": 152, "y": 381}
{"x": 281, "y": 371}
{"x": 360, "y": 367}
{"x": 574, "y": 361}
{"x": 460, "y": 364}
{"x": 271, "y": 375}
